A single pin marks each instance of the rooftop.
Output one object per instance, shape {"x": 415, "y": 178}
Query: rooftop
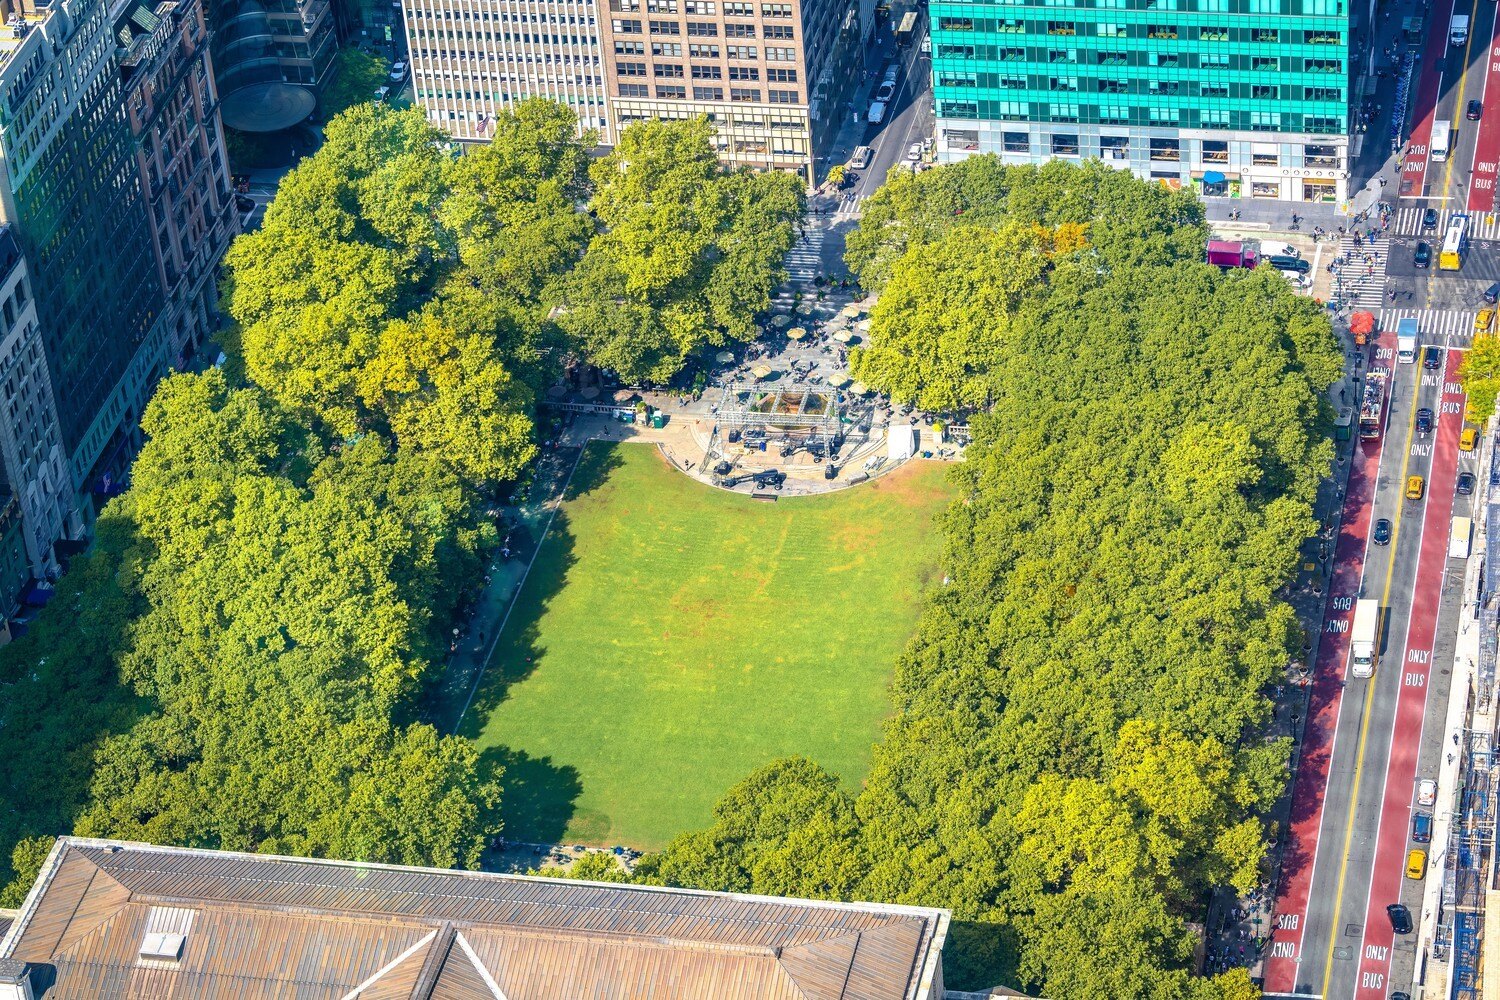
{"x": 123, "y": 920}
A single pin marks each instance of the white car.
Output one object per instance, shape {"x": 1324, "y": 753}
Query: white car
{"x": 1426, "y": 792}
{"x": 398, "y": 71}
{"x": 1297, "y": 280}
{"x": 914, "y": 153}
{"x": 1270, "y": 248}
{"x": 886, "y": 92}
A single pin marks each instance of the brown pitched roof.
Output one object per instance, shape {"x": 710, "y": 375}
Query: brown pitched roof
{"x": 260, "y": 926}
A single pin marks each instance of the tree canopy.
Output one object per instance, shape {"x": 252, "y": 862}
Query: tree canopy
{"x": 1072, "y": 764}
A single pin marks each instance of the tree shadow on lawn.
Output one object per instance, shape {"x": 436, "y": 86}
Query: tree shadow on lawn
{"x": 538, "y": 796}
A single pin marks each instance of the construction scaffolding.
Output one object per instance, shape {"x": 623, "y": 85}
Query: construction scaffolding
{"x": 1469, "y": 866}
{"x": 790, "y": 418}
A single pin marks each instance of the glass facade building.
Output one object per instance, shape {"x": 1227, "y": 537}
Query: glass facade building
{"x": 1251, "y": 95}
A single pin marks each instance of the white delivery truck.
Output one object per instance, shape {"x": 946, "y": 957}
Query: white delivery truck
{"x": 1458, "y": 538}
{"x": 1406, "y": 340}
{"x": 1363, "y": 639}
{"x": 1442, "y": 137}
{"x": 1458, "y": 29}
{"x": 877, "y": 112}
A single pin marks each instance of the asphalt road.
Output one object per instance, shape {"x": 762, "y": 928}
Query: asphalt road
{"x": 909, "y": 115}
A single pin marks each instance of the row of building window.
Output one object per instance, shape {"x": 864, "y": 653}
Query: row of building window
{"x": 1158, "y": 149}
{"x": 442, "y": 37}
{"x": 679, "y": 92}
{"x": 1313, "y": 8}
{"x": 1155, "y": 88}
{"x": 705, "y": 72}
{"x": 690, "y": 7}
{"x": 464, "y": 14}
{"x": 700, "y": 50}
{"x": 1166, "y": 117}
{"x": 773, "y": 32}
{"x": 1121, "y": 57}
{"x": 498, "y": 96}
{"x": 1126, "y": 29}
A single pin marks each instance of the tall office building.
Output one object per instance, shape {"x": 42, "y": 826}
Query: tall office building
{"x": 776, "y": 78}
{"x": 271, "y": 57}
{"x": 116, "y": 205}
{"x": 1248, "y": 96}
{"x": 471, "y": 59}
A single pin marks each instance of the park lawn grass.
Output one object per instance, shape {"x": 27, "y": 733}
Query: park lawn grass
{"x": 672, "y": 637}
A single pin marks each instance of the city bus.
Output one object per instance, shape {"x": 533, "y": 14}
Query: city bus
{"x": 1455, "y": 244}
{"x": 1442, "y": 133}
{"x": 1372, "y": 406}
{"x": 906, "y": 28}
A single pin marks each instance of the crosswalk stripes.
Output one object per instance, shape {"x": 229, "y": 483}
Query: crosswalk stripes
{"x": 849, "y": 205}
{"x": 804, "y": 261}
{"x": 1449, "y": 327}
{"x": 1360, "y": 281}
{"x": 1482, "y": 226}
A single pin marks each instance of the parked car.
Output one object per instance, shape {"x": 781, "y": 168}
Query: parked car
{"x": 1290, "y": 264}
{"x": 1400, "y": 918}
{"x": 1429, "y": 219}
{"x": 914, "y": 152}
{"x": 1272, "y": 248}
{"x": 398, "y": 70}
{"x": 1423, "y": 256}
{"x": 1465, "y": 485}
{"x": 1484, "y": 320}
{"x": 1432, "y": 357}
{"x": 244, "y": 203}
{"x": 886, "y": 92}
{"x": 1475, "y": 109}
{"x": 861, "y": 157}
{"x": 1421, "y": 828}
{"x": 381, "y": 93}
{"x": 1426, "y": 792}
{"x": 1424, "y": 421}
{"x": 1416, "y": 864}
{"x": 1297, "y": 279}
{"x": 1382, "y": 534}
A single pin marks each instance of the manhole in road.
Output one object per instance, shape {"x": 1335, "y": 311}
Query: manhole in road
{"x": 1343, "y": 954}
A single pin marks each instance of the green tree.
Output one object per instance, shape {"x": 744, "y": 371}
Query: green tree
{"x": 1480, "y": 373}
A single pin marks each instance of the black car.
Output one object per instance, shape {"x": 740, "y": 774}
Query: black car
{"x": 1290, "y": 264}
{"x": 1429, "y": 219}
{"x": 1475, "y": 109}
{"x": 1432, "y": 358}
{"x": 244, "y": 203}
{"x": 1465, "y": 484}
{"x": 1383, "y": 531}
{"x": 1400, "y": 918}
{"x": 1424, "y": 421}
{"x": 1423, "y": 257}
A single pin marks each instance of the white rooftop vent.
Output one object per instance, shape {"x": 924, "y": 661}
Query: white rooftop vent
{"x": 166, "y": 947}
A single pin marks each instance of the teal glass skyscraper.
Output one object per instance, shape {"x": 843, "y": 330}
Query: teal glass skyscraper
{"x": 1245, "y": 97}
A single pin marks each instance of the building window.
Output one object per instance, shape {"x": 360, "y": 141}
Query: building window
{"x": 708, "y": 93}
{"x": 1015, "y": 142}
{"x": 1213, "y": 89}
{"x": 1213, "y": 34}
{"x": 958, "y": 109}
{"x": 1265, "y": 159}
{"x": 670, "y": 91}
{"x": 700, "y": 7}
{"x": 1324, "y": 65}
{"x": 740, "y": 52}
{"x": 1013, "y": 83}
{"x": 783, "y": 96}
{"x": 963, "y": 51}
{"x": 1322, "y": 38}
{"x": 1265, "y": 121}
{"x": 670, "y": 71}
{"x": 1063, "y": 112}
{"x": 1264, "y": 64}
{"x": 1111, "y": 58}
{"x": 1064, "y": 144}
{"x": 706, "y": 72}
{"x": 630, "y": 48}
{"x": 1163, "y": 59}
{"x": 1063, "y": 84}
{"x": 1321, "y": 156}
{"x": 661, "y": 6}
{"x": 781, "y": 75}
{"x": 628, "y": 26}
{"x": 742, "y": 72}
{"x": 739, "y": 10}
{"x": 1211, "y": 118}
{"x": 665, "y": 28}
{"x": 634, "y": 90}
{"x": 1062, "y": 55}
{"x": 700, "y": 30}
{"x": 1321, "y": 125}
{"x": 1215, "y": 151}
{"x": 775, "y": 54}
{"x": 739, "y": 30}
{"x": 1265, "y": 189}
{"x": 1163, "y": 86}
{"x": 699, "y": 50}
{"x": 631, "y": 68}
{"x": 1061, "y": 28}
{"x": 779, "y": 31}
{"x": 949, "y": 78}
{"x": 1007, "y": 55}
{"x": 1114, "y": 147}
{"x": 1216, "y": 61}
{"x": 1265, "y": 35}
{"x": 775, "y": 10}
{"x": 744, "y": 94}
{"x": 1112, "y": 87}
{"x": 1161, "y": 31}
{"x": 624, "y": 6}
{"x": 955, "y": 24}
{"x": 672, "y": 49}
{"x": 1265, "y": 92}
{"x": 1166, "y": 150}
{"x": 1109, "y": 29}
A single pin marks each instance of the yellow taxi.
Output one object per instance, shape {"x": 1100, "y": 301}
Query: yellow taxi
{"x": 1415, "y": 487}
{"x": 1469, "y": 439}
{"x": 1416, "y": 864}
{"x": 1484, "y": 321}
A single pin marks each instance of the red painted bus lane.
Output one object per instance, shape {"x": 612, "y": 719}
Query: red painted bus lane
{"x": 1414, "y": 165}
{"x": 1284, "y": 952}
{"x": 1487, "y": 143}
{"x": 1415, "y": 664}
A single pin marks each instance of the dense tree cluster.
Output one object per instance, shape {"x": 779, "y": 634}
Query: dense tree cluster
{"x": 1068, "y": 767}
{"x": 238, "y": 661}
{"x": 1480, "y": 372}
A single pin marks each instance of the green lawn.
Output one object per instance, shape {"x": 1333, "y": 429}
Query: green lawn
{"x": 672, "y": 637}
